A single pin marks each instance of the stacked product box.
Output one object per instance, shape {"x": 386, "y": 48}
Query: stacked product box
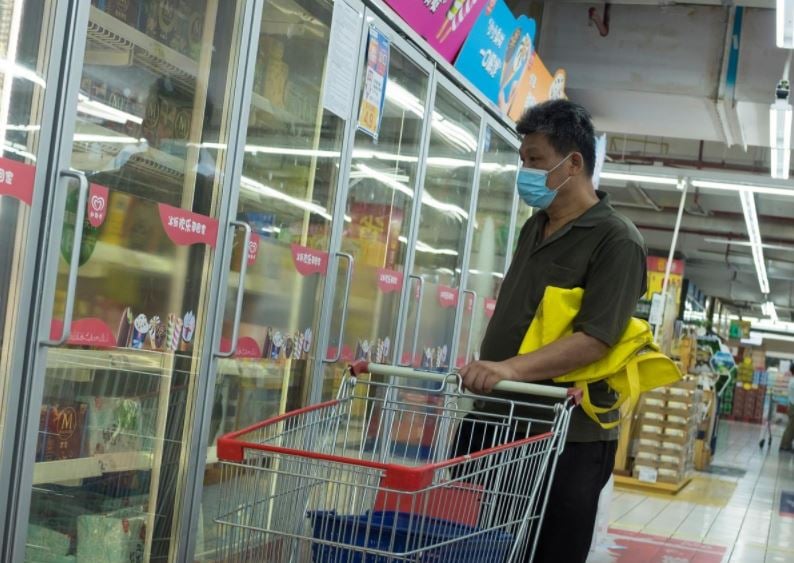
{"x": 666, "y": 427}
{"x": 748, "y": 402}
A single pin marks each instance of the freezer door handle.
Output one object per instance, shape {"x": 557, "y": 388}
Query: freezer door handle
{"x": 74, "y": 261}
{"x": 420, "y": 281}
{"x": 238, "y": 306}
{"x": 346, "y": 301}
{"x": 473, "y": 295}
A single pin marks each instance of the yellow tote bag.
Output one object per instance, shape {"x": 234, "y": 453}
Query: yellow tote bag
{"x": 631, "y": 367}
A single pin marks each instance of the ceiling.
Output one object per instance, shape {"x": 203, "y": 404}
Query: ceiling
{"x": 683, "y": 86}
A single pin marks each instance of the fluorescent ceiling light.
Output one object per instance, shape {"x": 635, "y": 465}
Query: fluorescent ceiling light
{"x": 785, "y": 24}
{"x": 273, "y": 193}
{"x": 91, "y": 138}
{"x": 768, "y": 190}
{"x": 736, "y": 242}
{"x": 284, "y": 151}
{"x": 781, "y": 163}
{"x": 426, "y": 248}
{"x": 87, "y": 106}
{"x": 780, "y": 125}
{"x": 753, "y": 230}
{"x": 14, "y": 70}
{"x": 640, "y": 178}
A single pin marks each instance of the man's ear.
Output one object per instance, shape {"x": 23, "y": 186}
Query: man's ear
{"x": 576, "y": 164}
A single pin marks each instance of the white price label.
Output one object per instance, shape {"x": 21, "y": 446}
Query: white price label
{"x": 648, "y": 475}
{"x": 657, "y": 309}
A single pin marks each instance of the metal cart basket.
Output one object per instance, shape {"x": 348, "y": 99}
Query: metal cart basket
{"x": 402, "y": 466}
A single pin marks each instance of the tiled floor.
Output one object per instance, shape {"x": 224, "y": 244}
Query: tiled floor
{"x": 744, "y": 527}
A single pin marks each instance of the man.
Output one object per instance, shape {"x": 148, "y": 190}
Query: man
{"x": 576, "y": 239}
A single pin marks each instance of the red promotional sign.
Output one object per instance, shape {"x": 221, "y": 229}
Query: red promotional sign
{"x": 185, "y": 227}
{"x": 86, "y": 332}
{"x": 447, "y": 296}
{"x": 309, "y": 261}
{"x": 246, "y": 347}
{"x": 389, "y": 281}
{"x": 16, "y": 180}
{"x": 490, "y": 307}
{"x": 97, "y": 205}
{"x": 253, "y": 249}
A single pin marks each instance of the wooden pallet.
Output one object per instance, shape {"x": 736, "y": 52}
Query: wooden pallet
{"x": 628, "y": 482}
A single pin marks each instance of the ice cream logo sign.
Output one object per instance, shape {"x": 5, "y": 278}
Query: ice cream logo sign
{"x": 253, "y": 248}
{"x": 97, "y": 205}
{"x": 447, "y": 297}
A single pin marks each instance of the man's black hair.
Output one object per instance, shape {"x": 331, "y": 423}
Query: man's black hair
{"x": 567, "y": 126}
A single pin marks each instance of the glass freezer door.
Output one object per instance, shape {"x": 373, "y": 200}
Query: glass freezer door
{"x": 287, "y": 194}
{"x": 444, "y": 220}
{"x": 149, "y": 122}
{"x": 27, "y": 32}
{"x": 380, "y": 202}
{"x": 489, "y": 249}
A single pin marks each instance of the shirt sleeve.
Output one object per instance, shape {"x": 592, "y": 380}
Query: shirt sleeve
{"x": 615, "y": 281}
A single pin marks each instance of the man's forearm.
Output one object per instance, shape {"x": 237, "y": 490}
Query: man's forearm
{"x": 558, "y": 358}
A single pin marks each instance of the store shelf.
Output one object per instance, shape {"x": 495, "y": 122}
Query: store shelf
{"x": 263, "y": 104}
{"x": 105, "y": 155}
{"x": 110, "y": 39}
{"x": 84, "y": 467}
{"x": 115, "y": 359}
{"x": 106, "y": 255}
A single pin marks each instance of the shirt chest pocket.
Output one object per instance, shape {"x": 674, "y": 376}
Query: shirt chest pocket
{"x": 562, "y": 276}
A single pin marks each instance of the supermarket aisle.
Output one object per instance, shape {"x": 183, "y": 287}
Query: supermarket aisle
{"x": 735, "y": 514}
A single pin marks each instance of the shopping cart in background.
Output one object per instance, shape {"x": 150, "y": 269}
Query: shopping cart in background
{"x": 334, "y": 482}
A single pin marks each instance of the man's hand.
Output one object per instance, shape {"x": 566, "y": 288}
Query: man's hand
{"x": 481, "y": 377}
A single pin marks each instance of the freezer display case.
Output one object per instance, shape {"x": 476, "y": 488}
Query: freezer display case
{"x": 381, "y": 197}
{"x": 22, "y": 86}
{"x": 489, "y": 252}
{"x": 287, "y": 193}
{"x": 128, "y": 332}
{"x": 444, "y": 219}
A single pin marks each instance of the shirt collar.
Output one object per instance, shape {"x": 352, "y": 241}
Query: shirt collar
{"x": 596, "y": 214}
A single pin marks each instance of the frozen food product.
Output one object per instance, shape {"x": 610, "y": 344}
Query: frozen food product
{"x": 63, "y": 431}
{"x": 140, "y": 330}
{"x": 116, "y": 536}
{"x": 114, "y": 425}
{"x": 154, "y": 325}
{"x": 176, "y": 336}
{"x": 188, "y": 329}
{"x": 45, "y": 544}
{"x": 124, "y": 334}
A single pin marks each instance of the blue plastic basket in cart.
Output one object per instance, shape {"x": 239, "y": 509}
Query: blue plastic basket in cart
{"x": 398, "y": 532}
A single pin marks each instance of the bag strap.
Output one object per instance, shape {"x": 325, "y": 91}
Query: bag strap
{"x": 632, "y": 374}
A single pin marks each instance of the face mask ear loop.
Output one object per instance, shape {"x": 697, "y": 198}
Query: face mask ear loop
{"x": 555, "y": 168}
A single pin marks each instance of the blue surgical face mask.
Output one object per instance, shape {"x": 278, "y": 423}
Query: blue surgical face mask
{"x": 532, "y": 189}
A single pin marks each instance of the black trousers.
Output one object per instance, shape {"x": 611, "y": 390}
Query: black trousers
{"x": 583, "y": 469}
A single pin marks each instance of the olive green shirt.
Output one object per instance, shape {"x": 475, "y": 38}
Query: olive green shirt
{"x": 602, "y": 252}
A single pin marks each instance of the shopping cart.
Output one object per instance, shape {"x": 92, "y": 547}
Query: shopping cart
{"x": 397, "y": 468}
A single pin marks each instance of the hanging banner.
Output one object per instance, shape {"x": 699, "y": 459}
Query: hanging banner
{"x": 16, "y": 180}
{"x": 445, "y": 24}
{"x": 309, "y": 261}
{"x": 490, "y": 307}
{"x": 377, "y": 73}
{"x": 656, "y": 268}
{"x": 389, "y": 281}
{"x": 447, "y": 297}
{"x": 185, "y": 227}
{"x": 536, "y": 86}
{"x": 496, "y": 53}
